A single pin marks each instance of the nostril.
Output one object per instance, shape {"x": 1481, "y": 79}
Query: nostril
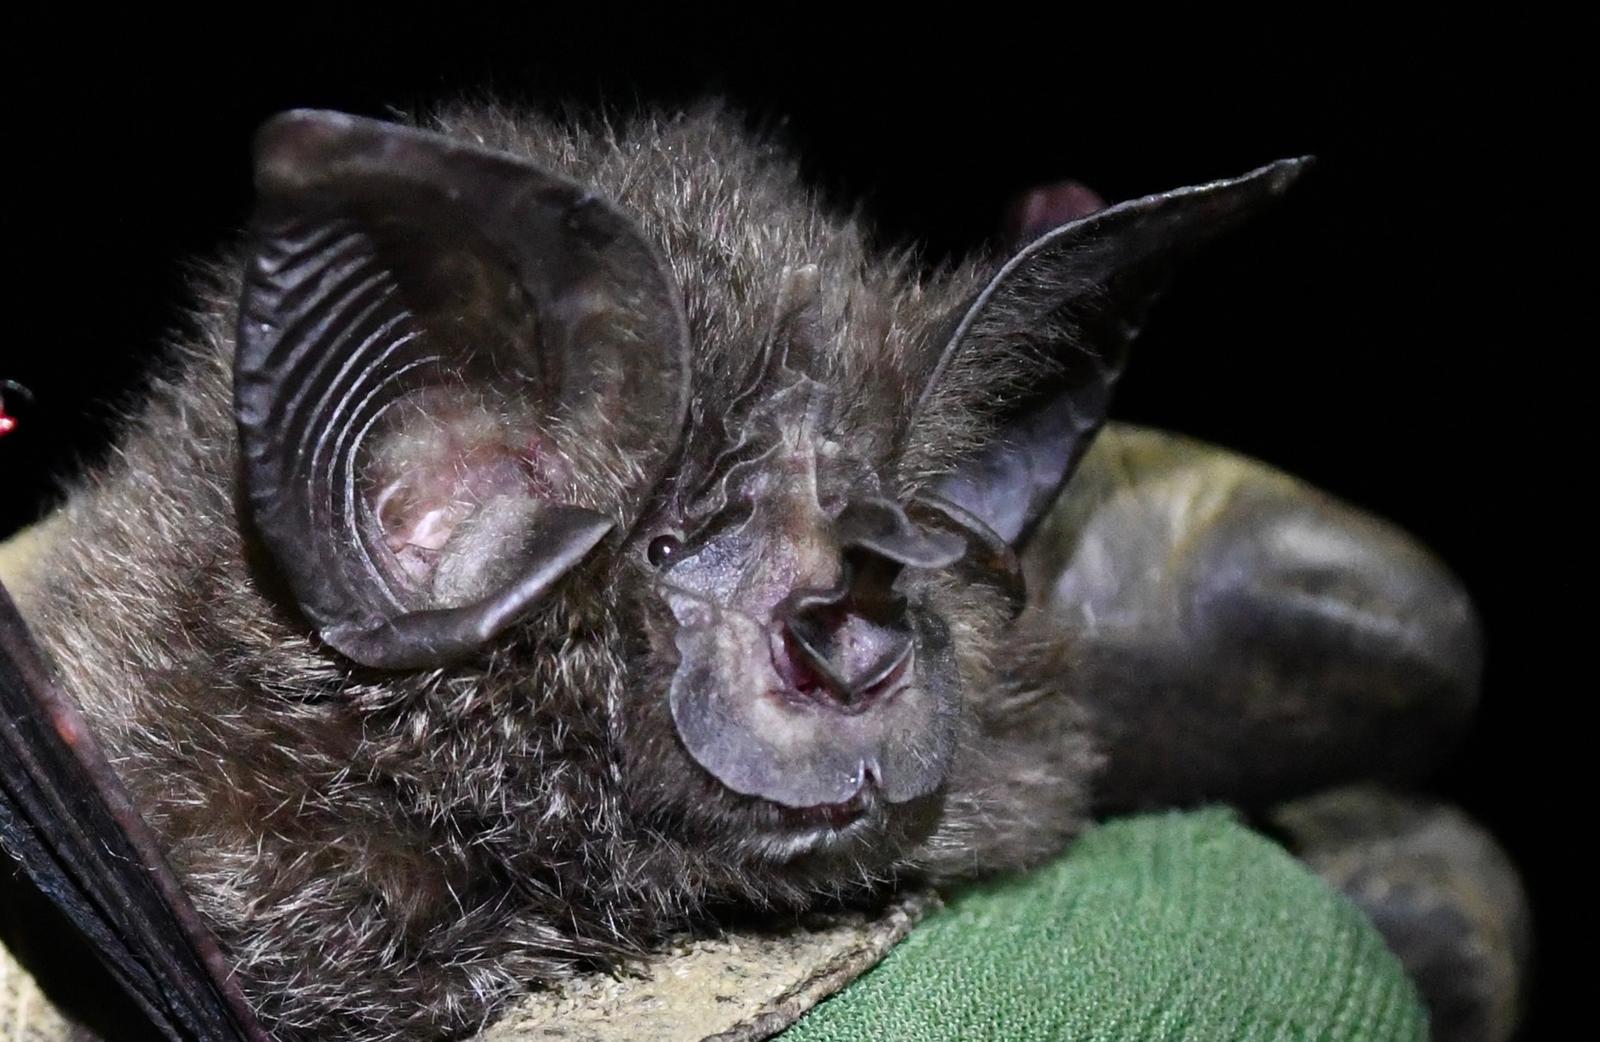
{"x": 850, "y": 663}
{"x": 793, "y": 666}
{"x": 807, "y": 644}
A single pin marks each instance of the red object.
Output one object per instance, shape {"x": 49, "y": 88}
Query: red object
{"x": 7, "y": 423}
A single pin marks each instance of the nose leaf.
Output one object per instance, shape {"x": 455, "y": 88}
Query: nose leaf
{"x": 809, "y": 636}
{"x": 878, "y": 687}
{"x": 851, "y": 655}
{"x": 853, "y": 658}
{"x": 852, "y": 638}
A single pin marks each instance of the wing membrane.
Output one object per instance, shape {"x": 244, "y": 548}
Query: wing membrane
{"x": 68, "y": 822}
{"x": 1237, "y": 635}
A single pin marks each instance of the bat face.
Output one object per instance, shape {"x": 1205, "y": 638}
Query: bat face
{"x": 555, "y": 531}
{"x": 463, "y": 378}
{"x": 803, "y": 635}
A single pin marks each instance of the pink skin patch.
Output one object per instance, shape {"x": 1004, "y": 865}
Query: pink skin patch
{"x": 447, "y": 456}
{"x": 1048, "y": 207}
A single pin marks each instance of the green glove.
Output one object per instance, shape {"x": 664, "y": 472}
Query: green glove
{"x": 1181, "y": 926}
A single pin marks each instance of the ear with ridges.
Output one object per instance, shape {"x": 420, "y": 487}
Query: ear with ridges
{"x": 1077, "y": 296}
{"x": 397, "y": 275}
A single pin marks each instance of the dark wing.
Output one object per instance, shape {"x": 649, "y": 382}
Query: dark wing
{"x": 1238, "y": 635}
{"x": 68, "y": 822}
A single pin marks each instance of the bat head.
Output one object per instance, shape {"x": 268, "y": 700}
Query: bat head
{"x": 480, "y": 414}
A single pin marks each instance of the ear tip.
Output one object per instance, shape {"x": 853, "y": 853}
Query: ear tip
{"x": 1281, "y": 175}
{"x": 306, "y": 149}
{"x": 290, "y": 146}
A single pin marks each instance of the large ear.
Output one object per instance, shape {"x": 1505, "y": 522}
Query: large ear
{"x": 446, "y": 357}
{"x": 1076, "y": 298}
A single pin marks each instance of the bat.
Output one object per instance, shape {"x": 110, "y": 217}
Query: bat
{"x": 556, "y": 534}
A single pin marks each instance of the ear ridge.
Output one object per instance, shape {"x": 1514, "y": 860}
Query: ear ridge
{"x": 1077, "y": 296}
{"x": 423, "y": 323}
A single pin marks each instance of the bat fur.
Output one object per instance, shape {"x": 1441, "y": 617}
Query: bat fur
{"x": 393, "y": 854}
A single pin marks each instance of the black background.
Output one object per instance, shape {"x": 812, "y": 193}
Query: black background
{"x": 1388, "y": 333}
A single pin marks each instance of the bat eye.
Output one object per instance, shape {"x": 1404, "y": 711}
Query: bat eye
{"x": 663, "y": 550}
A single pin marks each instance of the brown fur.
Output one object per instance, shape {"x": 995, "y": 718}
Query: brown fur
{"x": 393, "y": 855}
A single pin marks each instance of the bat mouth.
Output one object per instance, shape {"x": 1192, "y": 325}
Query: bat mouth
{"x": 834, "y": 817}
